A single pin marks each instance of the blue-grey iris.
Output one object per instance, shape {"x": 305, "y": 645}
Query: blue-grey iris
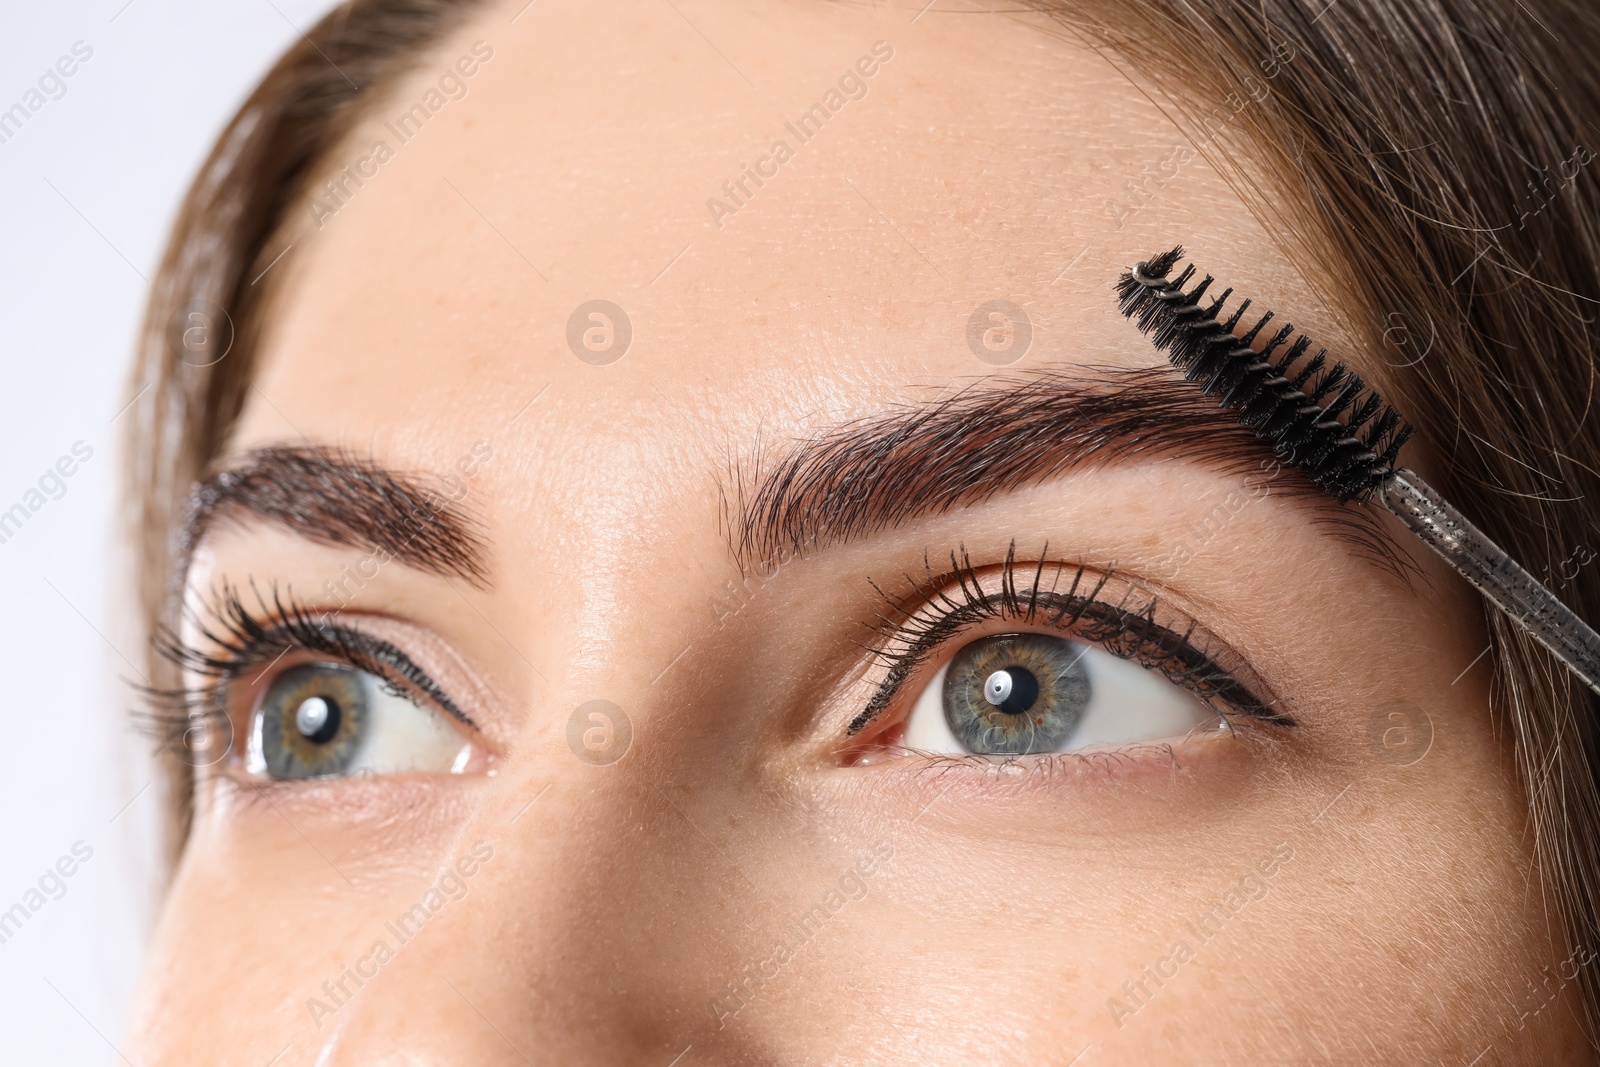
{"x": 1016, "y": 693}
{"x": 314, "y": 719}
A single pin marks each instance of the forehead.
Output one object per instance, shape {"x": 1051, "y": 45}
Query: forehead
{"x": 793, "y": 213}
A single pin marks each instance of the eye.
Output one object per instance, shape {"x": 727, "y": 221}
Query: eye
{"x": 1024, "y": 693}
{"x": 1047, "y": 656}
{"x": 324, "y": 720}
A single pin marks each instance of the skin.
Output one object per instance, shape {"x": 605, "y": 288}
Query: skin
{"x": 1006, "y": 908}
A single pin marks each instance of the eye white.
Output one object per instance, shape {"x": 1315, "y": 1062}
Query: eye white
{"x": 406, "y": 737}
{"x": 401, "y": 736}
{"x": 1129, "y": 704}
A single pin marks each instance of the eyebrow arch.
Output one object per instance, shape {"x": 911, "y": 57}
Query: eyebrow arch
{"x": 995, "y": 436}
{"x": 333, "y": 497}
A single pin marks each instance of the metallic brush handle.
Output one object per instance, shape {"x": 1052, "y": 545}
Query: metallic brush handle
{"x": 1482, "y": 562}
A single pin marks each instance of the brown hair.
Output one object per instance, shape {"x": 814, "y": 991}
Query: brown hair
{"x": 1429, "y": 154}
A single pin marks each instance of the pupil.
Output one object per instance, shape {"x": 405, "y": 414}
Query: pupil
{"x": 317, "y": 719}
{"x": 1012, "y": 690}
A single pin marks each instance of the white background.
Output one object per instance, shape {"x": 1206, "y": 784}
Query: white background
{"x": 87, "y": 191}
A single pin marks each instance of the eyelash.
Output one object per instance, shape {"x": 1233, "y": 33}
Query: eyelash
{"x": 244, "y": 639}
{"x": 908, "y": 640}
{"x": 234, "y": 640}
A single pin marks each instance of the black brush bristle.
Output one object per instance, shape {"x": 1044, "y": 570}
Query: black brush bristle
{"x": 1322, "y": 419}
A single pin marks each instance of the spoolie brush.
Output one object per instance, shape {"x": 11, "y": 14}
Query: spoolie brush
{"x": 1321, "y": 419}
{"x": 1324, "y": 421}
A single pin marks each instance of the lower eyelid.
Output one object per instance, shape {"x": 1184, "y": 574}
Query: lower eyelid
{"x": 945, "y": 775}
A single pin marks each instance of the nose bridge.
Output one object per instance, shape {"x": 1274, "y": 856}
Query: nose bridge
{"x": 601, "y": 892}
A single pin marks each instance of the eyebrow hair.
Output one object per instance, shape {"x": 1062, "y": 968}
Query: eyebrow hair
{"x": 998, "y": 435}
{"x": 334, "y": 497}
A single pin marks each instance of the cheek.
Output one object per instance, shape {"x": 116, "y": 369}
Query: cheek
{"x": 299, "y": 886}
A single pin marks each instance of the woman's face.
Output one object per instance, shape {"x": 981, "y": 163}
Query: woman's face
{"x": 728, "y": 621}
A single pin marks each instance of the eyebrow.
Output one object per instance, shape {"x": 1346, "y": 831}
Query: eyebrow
{"x": 996, "y": 436}
{"x": 333, "y": 497}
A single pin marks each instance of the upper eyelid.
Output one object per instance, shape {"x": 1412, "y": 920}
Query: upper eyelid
{"x": 391, "y": 655}
{"x": 285, "y": 625}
